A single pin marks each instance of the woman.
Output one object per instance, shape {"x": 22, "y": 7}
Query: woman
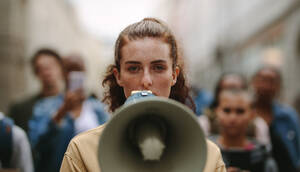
{"x": 146, "y": 58}
{"x": 257, "y": 128}
{"x": 225, "y": 81}
{"x": 234, "y": 114}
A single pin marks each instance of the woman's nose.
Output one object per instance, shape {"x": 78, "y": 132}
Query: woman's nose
{"x": 146, "y": 80}
{"x": 232, "y": 117}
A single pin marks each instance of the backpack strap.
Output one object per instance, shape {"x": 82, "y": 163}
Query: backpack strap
{"x": 6, "y": 142}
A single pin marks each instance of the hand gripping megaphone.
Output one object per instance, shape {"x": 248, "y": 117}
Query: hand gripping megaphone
{"x": 152, "y": 134}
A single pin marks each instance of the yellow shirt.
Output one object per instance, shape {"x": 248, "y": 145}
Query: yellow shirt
{"x": 82, "y": 154}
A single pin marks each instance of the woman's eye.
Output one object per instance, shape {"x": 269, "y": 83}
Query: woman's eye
{"x": 240, "y": 111}
{"x": 158, "y": 68}
{"x": 226, "y": 110}
{"x": 133, "y": 69}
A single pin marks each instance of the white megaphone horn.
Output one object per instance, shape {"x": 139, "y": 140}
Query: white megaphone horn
{"x": 152, "y": 134}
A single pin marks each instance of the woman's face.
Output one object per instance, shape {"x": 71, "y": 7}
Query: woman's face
{"x": 146, "y": 65}
{"x": 233, "y": 113}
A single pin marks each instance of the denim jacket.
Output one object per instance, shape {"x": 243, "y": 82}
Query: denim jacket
{"x": 49, "y": 140}
{"x": 286, "y": 125}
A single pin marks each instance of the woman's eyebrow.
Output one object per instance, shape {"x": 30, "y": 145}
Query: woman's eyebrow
{"x": 158, "y": 61}
{"x": 132, "y": 62}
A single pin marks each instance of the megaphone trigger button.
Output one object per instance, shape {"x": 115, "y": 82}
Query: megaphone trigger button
{"x": 144, "y": 93}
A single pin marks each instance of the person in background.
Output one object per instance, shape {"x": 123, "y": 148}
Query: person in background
{"x": 76, "y": 101}
{"x": 257, "y": 128}
{"x": 282, "y": 120}
{"x": 226, "y": 81}
{"x": 146, "y": 58}
{"x": 48, "y": 68}
{"x": 15, "y": 152}
{"x": 229, "y": 81}
{"x": 57, "y": 119}
{"x": 202, "y": 99}
{"x": 234, "y": 113}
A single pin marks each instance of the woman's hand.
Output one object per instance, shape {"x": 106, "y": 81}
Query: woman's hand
{"x": 73, "y": 99}
{"x": 72, "y": 103}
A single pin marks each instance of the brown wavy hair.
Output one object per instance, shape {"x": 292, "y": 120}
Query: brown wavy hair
{"x": 153, "y": 28}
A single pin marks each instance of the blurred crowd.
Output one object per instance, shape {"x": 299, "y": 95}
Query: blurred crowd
{"x": 50, "y": 119}
{"x": 254, "y": 130}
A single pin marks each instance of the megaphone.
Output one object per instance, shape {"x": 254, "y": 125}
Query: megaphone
{"x": 152, "y": 134}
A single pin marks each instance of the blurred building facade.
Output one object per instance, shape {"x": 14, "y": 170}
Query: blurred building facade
{"x": 27, "y": 25}
{"x": 239, "y": 36}
{"x": 216, "y": 36}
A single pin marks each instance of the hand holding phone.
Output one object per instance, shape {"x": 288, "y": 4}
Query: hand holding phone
{"x": 76, "y": 80}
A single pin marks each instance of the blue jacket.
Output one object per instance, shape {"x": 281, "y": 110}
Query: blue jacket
{"x": 49, "y": 141}
{"x": 6, "y": 143}
{"x": 286, "y": 126}
{"x": 202, "y": 100}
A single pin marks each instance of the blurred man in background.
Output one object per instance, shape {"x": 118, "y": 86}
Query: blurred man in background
{"x": 48, "y": 68}
{"x": 56, "y": 120}
{"x": 283, "y": 121}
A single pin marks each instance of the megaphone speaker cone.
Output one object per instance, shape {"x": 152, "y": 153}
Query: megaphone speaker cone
{"x": 181, "y": 142}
